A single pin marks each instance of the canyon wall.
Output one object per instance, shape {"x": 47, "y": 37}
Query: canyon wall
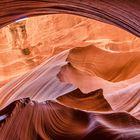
{"x": 25, "y": 44}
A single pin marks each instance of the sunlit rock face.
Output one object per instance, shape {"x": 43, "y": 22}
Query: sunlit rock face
{"x": 27, "y": 43}
{"x": 73, "y": 78}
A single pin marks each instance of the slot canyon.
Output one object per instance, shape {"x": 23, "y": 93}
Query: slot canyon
{"x": 69, "y": 70}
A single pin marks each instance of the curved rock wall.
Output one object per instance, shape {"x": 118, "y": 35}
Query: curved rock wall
{"x": 76, "y": 78}
{"x": 25, "y": 44}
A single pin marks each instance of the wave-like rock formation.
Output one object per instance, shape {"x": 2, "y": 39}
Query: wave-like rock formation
{"x": 30, "y": 42}
{"x": 93, "y": 101}
{"x": 51, "y": 120}
{"x": 81, "y": 84}
{"x": 120, "y": 66}
{"x": 99, "y": 109}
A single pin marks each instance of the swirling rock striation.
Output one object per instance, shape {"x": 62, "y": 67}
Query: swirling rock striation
{"x": 51, "y": 120}
{"x": 88, "y": 92}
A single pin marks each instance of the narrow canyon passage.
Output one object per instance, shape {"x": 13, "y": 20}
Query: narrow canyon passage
{"x": 64, "y": 76}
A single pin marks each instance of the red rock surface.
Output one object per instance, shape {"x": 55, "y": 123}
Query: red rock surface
{"x": 26, "y": 44}
{"x": 73, "y": 78}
